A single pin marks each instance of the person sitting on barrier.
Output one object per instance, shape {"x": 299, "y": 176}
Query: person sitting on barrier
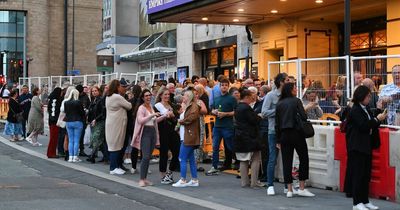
{"x": 310, "y": 102}
{"x": 390, "y": 98}
{"x": 362, "y": 135}
{"x": 289, "y": 138}
{"x": 327, "y": 101}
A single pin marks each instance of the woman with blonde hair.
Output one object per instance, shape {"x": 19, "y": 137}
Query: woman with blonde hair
{"x": 190, "y": 139}
{"x": 74, "y": 117}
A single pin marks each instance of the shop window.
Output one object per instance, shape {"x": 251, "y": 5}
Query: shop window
{"x": 213, "y": 57}
{"x": 379, "y": 38}
{"x": 228, "y": 55}
{"x": 359, "y": 41}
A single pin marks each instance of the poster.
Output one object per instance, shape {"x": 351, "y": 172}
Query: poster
{"x": 182, "y": 73}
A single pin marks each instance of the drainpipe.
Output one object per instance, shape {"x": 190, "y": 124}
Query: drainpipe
{"x": 65, "y": 37}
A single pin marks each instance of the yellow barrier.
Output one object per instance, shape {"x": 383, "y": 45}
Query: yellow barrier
{"x": 3, "y": 108}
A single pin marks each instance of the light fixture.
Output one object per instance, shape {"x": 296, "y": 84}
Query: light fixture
{"x": 319, "y": 1}
{"x": 204, "y": 19}
{"x": 236, "y": 20}
{"x": 283, "y": 0}
{"x": 274, "y": 11}
{"x": 240, "y": 10}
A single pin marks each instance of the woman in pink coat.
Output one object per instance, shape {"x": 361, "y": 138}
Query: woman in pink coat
{"x": 145, "y": 135}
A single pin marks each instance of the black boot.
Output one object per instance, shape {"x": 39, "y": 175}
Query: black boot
{"x": 91, "y": 159}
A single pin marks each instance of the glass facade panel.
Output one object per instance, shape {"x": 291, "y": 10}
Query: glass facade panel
{"x": 8, "y": 30}
{"x": 12, "y": 44}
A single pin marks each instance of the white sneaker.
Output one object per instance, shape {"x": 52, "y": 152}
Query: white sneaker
{"x": 285, "y": 190}
{"x": 193, "y": 183}
{"x": 155, "y": 160}
{"x": 271, "y": 190}
{"x": 133, "y": 171}
{"x": 116, "y": 172}
{"x": 127, "y": 161}
{"x": 180, "y": 183}
{"x": 305, "y": 193}
{"x": 213, "y": 170}
{"x": 289, "y": 194}
{"x": 29, "y": 140}
{"x": 360, "y": 206}
{"x": 371, "y": 206}
{"x": 70, "y": 159}
{"x": 149, "y": 172}
{"x": 76, "y": 159}
{"x": 121, "y": 171}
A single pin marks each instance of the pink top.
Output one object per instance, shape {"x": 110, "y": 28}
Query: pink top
{"x": 142, "y": 117}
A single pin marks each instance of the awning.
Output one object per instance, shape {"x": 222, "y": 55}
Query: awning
{"x": 149, "y": 54}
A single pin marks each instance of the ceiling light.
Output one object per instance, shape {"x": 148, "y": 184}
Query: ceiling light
{"x": 283, "y": 0}
{"x": 274, "y": 11}
{"x": 235, "y": 20}
{"x": 240, "y": 10}
{"x": 204, "y": 18}
{"x": 319, "y": 1}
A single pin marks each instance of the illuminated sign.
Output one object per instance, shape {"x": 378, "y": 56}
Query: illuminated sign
{"x": 154, "y": 6}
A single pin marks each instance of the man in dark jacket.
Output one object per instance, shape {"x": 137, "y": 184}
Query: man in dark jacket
{"x": 84, "y": 99}
{"x": 25, "y": 102}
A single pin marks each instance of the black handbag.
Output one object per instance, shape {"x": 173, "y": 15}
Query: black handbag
{"x": 305, "y": 126}
{"x": 19, "y": 116}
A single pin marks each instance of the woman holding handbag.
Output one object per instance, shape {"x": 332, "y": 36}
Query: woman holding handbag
{"x": 13, "y": 125}
{"x": 290, "y": 138}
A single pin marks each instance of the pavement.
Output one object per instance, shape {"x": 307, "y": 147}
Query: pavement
{"x": 215, "y": 192}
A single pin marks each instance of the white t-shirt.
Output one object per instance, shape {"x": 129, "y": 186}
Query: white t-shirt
{"x": 6, "y": 93}
{"x": 182, "y": 127}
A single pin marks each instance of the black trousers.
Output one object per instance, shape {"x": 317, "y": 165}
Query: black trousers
{"x": 169, "y": 141}
{"x": 122, "y": 152}
{"x": 360, "y": 165}
{"x": 292, "y": 140}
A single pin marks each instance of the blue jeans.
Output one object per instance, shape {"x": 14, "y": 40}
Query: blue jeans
{"x": 187, "y": 153}
{"x": 74, "y": 130}
{"x": 271, "y": 159}
{"x": 218, "y": 134}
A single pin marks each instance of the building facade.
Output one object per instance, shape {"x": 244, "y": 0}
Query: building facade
{"x": 33, "y": 40}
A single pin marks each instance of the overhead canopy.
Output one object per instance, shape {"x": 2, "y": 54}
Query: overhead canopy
{"x": 248, "y": 12}
{"x": 149, "y": 54}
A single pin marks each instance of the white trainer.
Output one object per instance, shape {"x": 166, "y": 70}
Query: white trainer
{"x": 127, "y": 161}
{"x": 371, "y": 206}
{"x": 305, "y": 193}
{"x": 70, "y": 159}
{"x": 120, "y": 171}
{"x": 193, "y": 183}
{"x": 76, "y": 159}
{"x": 180, "y": 183}
{"x": 360, "y": 206}
{"x": 271, "y": 190}
{"x": 289, "y": 194}
{"x": 133, "y": 171}
{"x": 116, "y": 172}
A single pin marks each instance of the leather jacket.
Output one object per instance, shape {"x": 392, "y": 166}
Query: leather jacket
{"x": 74, "y": 111}
{"x": 286, "y": 111}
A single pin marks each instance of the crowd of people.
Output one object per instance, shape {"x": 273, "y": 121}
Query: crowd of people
{"x": 255, "y": 121}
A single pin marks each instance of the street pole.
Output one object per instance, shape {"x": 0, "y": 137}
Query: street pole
{"x": 65, "y": 36}
{"x": 25, "y": 68}
{"x": 347, "y": 27}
